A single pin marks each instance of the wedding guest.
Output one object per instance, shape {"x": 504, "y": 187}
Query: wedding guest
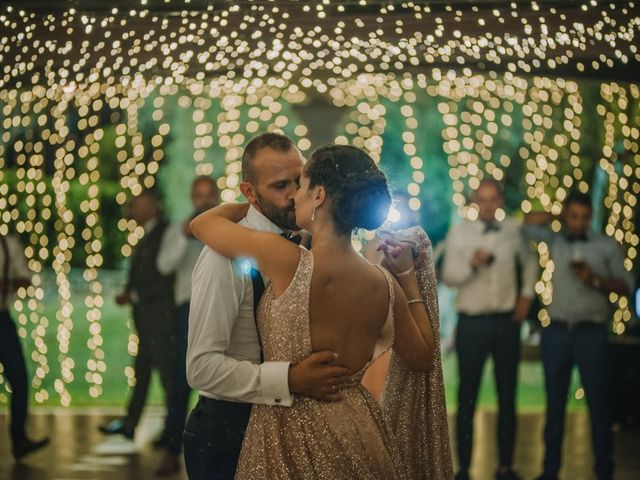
{"x": 588, "y": 267}
{"x": 178, "y": 255}
{"x": 150, "y": 293}
{"x": 224, "y": 355}
{"x": 15, "y": 274}
{"x": 481, "y": 261}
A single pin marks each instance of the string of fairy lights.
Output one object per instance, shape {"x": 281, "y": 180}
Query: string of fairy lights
{"x": 624, "y": 178}
{"x": 235, "y": 71}
{"x": 551, "y": 122}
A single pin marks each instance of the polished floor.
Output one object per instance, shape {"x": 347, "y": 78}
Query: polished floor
{"x": 79, "y": 451}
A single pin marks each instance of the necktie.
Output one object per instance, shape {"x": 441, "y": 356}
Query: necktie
{"x": 491, "y": 227}
{"x": 577, "y": 238}
{"x": 292, "y": 238}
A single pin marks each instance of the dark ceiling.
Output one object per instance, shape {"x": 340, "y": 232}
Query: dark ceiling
{"x": 458, "y": 20}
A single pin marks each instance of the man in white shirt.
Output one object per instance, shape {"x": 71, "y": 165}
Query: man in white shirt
{"x": 179, "y": 252}
{"x": 482, "y": 259}
{"x": 15, "y": 274}
{"x": 224, "y": 353}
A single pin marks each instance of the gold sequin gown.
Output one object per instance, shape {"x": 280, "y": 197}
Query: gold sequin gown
{"x": 414, "y": 401}
{"x": 315, "y": 440}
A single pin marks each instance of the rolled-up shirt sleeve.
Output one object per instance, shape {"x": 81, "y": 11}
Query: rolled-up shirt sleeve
{"x": 172, "y": 249}
{"x": 457, "y": 269}
{"x": 616, "y": 266}
{"x": 217, "y": 294}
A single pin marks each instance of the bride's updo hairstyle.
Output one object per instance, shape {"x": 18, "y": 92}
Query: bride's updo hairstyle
{"x": 357, "y": 188}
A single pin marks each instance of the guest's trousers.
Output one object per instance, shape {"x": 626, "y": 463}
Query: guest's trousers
{"x": 562, "y": 346}
{"x": 213, "y": 438}
{"x": 156, "y": 350}
{"x": 15, "y": 371}
{"x": 477, "y": 337}
{"x": 179, "y": 397}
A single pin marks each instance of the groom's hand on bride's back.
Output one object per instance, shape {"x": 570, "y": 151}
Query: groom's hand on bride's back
{"x": 318, "y": 376}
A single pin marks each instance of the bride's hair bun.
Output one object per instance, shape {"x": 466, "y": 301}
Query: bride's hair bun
{"x": 358, "y": 190}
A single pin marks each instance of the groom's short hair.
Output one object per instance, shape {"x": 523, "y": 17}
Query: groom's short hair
{"x": 275, "y": 141}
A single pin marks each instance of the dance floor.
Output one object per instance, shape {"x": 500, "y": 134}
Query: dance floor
{"x": 79, "y": 451}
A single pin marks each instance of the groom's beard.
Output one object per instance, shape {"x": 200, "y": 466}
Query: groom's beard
{"x": 285, "y": 218}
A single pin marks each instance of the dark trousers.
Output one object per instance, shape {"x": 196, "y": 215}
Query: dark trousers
{"x": 561, "y": 347}
{"x": 179, "y": 397}
{"x": 213, "y": 439}
{"x": 15, "y": 371}
{"x": 156, "y": 348}
{"x": 477, "y": 337}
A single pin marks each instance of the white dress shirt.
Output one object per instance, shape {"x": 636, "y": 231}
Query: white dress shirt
{"x": 492, "y": 288}
{"x": 179, "y": 253}
{"x": 18, "y": 269}
{"x": 223, "y": 356}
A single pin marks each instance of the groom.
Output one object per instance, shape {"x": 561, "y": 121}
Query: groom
{"x": 224, "y": 357}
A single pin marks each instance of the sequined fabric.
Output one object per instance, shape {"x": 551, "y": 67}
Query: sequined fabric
{"x": 414, "y": 401}
{"x": 313, "y": 440}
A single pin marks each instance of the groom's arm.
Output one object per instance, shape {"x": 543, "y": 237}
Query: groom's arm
{"x": 217, "y": 296}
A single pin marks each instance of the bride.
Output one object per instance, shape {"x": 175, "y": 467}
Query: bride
{"x": 330, "y": 298}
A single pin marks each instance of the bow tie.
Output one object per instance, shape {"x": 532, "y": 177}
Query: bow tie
{"x": 297, "y": 239}
{"x": 577, "y": 238}
{"x": 491, "y": 227}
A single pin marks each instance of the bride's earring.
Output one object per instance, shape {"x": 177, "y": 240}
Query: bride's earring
{"x": 313, "y": 215}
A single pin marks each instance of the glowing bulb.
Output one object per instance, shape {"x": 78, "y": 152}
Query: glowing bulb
{"x": 69, "y": 88}
{"x": 394, "y": 215}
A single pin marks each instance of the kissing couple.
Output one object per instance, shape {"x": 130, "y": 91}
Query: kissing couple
{"x": 280, "y": 336}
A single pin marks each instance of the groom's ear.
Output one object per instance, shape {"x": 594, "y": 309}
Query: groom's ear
{"x": 249, "y": 191}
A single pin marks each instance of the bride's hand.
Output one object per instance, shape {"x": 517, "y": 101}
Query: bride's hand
{"x": 398, "y": 256}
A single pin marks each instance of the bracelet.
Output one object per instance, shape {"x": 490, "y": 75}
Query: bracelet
{"x": 405, "y": 273}
{"x": 415, "y": 300}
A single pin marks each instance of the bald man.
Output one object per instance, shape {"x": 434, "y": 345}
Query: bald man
{"x": 481, "y": 260}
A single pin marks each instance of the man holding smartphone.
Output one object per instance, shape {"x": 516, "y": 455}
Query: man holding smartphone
{"x": 588, "y": 267}
{"x": 482, "y": 260}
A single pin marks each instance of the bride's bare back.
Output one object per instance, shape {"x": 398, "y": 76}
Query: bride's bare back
{"x": 348, "y": 307}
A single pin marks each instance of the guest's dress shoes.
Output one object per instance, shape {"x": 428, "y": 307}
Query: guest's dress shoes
{"x": 26, "y": 446}
{"x": 117, "y": 427}
{"x": 507, "y": 475}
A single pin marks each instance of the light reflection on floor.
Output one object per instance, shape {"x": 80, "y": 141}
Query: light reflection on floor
{"x": 79, "y": 451}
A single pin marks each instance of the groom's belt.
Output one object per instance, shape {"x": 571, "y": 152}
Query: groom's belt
{"x": 206, "y": 404}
